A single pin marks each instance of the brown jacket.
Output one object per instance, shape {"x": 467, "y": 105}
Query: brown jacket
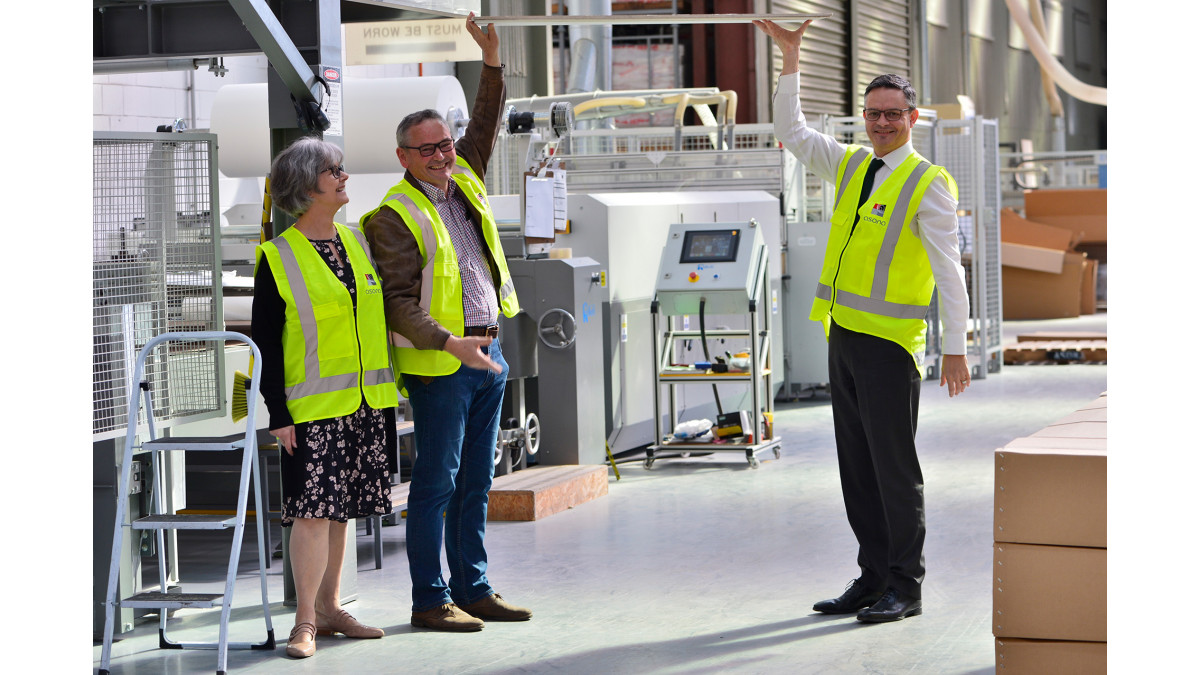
{"x": 397, "y": 256}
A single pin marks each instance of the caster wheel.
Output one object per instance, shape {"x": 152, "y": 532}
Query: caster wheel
{"x": 776, "y": 453}
{"x": 649, "y": 463}
{"x": 753, "y": 462}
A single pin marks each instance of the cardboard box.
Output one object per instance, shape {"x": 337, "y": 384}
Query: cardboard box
{"x": 1050, "y": 592}
{"x": 1052, "y": 443}
{"x": 1077, "y": 210}
{"x": 1087, "y": 293}
{"x": 1033, "y": 294}
{"x": 1016, "y": 230}
{"x": 1080, "y": 429}
{"x": 1036, "y": 258}
{"x": 1050, "y": 657}
{"x": 1052, "y": 496}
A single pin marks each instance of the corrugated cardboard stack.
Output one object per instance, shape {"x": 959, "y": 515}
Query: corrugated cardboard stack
{"x": 1051, "y": 257}
{"x": 1050, "y": 559}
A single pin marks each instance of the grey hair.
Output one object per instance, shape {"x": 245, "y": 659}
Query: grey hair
{"x": 413, "y": 119}
{"x": 296, "y": 172}
{"x": 893, "y": 81}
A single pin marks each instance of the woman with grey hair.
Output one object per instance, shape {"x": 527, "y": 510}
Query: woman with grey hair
{"x": 326, "y": 380}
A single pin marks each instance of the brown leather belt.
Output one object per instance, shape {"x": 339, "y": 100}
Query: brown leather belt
{"x": 482, "y": 331}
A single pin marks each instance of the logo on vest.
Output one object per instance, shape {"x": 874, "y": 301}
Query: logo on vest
{"x": 371, "y": 280}
{"x": 878, "y": 209}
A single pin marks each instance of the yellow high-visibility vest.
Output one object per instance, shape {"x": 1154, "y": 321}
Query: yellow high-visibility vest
{"x": 335, "y": 351}
{"x": 876, "y": 278}
{"x": 441, "y": 281}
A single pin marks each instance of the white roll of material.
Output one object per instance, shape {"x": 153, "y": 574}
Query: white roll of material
{"x": 372, "y": 108}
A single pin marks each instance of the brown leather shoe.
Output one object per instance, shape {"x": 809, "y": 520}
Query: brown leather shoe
{"x": 496, "y": 608}
{"x": 446, "y": 617}
{"x": 345, "y": 624}
{"x": 302, "y": 641}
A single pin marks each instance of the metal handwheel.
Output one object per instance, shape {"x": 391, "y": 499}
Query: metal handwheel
{"x": 556, "y": 328}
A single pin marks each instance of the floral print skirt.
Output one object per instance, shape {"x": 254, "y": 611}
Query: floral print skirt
{"x": 340, "y": 467}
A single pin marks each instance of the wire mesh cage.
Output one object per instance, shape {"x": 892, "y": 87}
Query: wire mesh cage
{"x": 155, "y": 268}
{"x": 970, "y": 151}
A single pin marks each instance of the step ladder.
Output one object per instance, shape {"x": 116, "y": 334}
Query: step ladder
{"x": 159, "y": 521}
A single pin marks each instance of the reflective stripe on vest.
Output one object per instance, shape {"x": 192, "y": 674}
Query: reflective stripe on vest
{"x": 314, "y": 382}
{"x": 851, "y": 166}
{"x": 876, "y": 303}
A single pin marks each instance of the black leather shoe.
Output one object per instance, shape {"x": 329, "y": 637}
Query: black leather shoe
{"x": 893, "y": 606}
{"x": 856, "y": 597}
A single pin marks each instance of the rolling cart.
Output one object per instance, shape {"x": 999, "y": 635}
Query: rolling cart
{"x": 713, "y": 269}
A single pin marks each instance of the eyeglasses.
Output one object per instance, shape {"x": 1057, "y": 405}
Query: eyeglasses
{"x": 892, "y": 115}
{"x": 335, "y": 171}
{"x": 428, "y": 149}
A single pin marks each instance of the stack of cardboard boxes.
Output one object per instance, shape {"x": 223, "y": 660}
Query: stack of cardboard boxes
{"x": 1050, "y": 559}
{"x": 1051, "y": 257}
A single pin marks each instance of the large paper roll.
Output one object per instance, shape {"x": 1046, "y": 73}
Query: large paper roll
{"x": 371, "y": 108}
{"x": 374, "y": 108}
{"x": 239, "y": 119}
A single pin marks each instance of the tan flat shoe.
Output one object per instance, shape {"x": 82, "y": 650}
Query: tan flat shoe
{"x": 347, "y": 625}
{"x": 302, "y": 642}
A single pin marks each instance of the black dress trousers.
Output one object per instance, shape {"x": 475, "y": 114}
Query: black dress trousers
{"x": 876, "y": 389}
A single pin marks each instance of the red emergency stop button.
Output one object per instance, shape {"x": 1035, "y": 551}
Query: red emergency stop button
{"x": 693, "y": 277}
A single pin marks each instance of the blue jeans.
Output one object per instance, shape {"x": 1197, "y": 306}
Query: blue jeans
{"x": 456, "y": 420}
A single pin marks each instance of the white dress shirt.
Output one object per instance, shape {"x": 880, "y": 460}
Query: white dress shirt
{"x": 936, "y": 223}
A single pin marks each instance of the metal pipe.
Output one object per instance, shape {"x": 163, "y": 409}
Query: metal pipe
{"x": 283, "y": 55}
{"x": 582, "y": 76}
{"x": 543, "y": 102}
{"x": 591, "y": 50}
{"x": 643, "y": 19}
{"x": 145, "y": 65}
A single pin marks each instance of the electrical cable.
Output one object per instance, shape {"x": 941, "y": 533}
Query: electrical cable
{"x": 704, "y": 344}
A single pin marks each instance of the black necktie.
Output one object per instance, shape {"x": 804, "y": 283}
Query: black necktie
{"x": 868, "y": 183}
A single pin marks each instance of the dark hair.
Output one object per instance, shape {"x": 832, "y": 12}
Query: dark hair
{"x": 893, "y": 81}
{"x": 413, "y": 119}
{"x": 295, "y": 172}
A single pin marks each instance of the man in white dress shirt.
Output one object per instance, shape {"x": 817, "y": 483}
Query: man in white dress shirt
{"x": 893, "y": 237}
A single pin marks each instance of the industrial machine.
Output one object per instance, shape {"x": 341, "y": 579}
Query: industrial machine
{"x": 709, "y": 270}
{"x": 560, "y": 327}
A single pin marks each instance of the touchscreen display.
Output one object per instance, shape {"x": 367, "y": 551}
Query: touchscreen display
{"x": 710, "y": 246}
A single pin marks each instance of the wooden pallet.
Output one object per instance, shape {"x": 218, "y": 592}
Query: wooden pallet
{"x": 537, "y": 492}
{"x": 1049, "y": 336}
{"x": 1056, "y": 351}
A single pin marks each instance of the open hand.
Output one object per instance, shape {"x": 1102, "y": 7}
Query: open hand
{"x": 469, "y": 350}
{"x": 286, "y": 437}
{"x": 488, "y": 41}
{"x": 956, "y": 376}
{"x": 786, "y": 39}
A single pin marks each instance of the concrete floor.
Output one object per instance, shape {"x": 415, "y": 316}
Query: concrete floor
{"x": 699, "y": 565}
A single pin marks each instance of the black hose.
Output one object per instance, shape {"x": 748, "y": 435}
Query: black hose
{"x": 704, "y": 344}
